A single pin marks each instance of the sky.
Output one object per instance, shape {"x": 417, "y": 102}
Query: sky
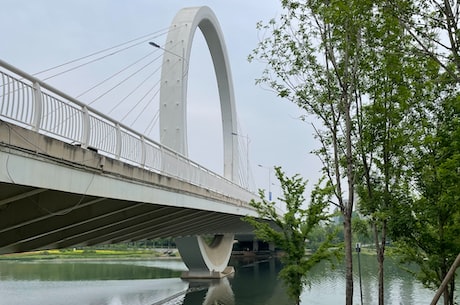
{"x": 40, "y": 34}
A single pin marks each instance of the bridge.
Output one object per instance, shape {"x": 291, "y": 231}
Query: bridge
{"x": 72, "y": 176}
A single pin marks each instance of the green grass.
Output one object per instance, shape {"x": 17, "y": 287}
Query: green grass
{"x": 83, "y": 254}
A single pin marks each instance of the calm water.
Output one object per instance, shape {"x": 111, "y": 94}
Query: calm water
{"x": 158, "y": 282}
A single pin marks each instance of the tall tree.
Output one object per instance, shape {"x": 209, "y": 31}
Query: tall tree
{"x": 312, "y": 54}
{"x": 291, "y": 231}
{"x": 392, "y": 83}
{"x": 429, "y": 233}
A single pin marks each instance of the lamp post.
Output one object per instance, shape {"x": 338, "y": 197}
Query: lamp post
{"x": 182, "y": 58}
{"x": 269, "y": 180}
{"x": 358, "y": 250}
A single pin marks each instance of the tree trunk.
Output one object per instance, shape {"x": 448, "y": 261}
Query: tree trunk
{"x": 381, "y": 277}
{"x": 380, "y": 249}
{"x": 348, "y": 258}
{"x": 380, "y": 259}
{"x": 449, "y": 278}
{"x": 446, "y": 296}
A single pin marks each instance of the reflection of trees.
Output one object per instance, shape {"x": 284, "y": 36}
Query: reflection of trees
{"x": 254, "y": 280}
{"x": 399, "y": 284}
{"x": 262, "y": 278}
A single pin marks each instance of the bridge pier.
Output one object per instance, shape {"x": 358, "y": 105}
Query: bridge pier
{"x": 206, "y": 260}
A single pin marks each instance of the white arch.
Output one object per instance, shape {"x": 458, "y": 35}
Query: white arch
{"x": 203, "y": 260}
{"x": 174, "y": 76}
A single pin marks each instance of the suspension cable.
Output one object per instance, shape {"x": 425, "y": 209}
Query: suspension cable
{"x": 154, "y": 34}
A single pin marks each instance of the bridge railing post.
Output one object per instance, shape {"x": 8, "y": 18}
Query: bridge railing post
{"x": 143, "y": 151}
{"x": 86, "y": 128}
{"x": 118, "y": 142}
{"x": 38, "y": 106}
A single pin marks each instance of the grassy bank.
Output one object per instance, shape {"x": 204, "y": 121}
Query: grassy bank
{"x": 86, "y": 254}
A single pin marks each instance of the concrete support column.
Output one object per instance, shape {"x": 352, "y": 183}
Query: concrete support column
{"x": 206, "y": 260}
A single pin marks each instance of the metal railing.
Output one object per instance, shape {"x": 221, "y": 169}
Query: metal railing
{"x": 33, "y": 104}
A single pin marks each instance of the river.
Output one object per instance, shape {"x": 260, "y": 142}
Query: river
{"x": 131, "y": 282}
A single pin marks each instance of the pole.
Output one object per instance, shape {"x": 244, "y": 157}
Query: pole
{"x": 269, "y": 180}
{"x": 247, "y": 161}
{"x": 358, "y": 250}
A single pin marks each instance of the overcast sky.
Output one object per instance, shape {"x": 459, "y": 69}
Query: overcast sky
{"x": 40, "y": 34}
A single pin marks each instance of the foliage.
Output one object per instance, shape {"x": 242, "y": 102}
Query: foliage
{"x": 312, "y": 54}
{"x": 382, "y": 80}
{"x": 428, "y": 232}
{"x": 291, "y": 231}
{"x": 393, "y": 81}
{"x": 433, "y": 26}
{"x": 361, "y": 230}
{"x": 430, "y": 235}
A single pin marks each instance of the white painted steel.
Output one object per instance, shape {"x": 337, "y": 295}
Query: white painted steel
{"x": 174, "y": 77}
{"x": 22, "y": 96}
{"x": 205, "y": 260}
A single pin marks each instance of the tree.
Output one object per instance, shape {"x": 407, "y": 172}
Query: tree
{"x": 374, "y": 74}
{"x": 394, "y": 83}
{"x": 312, "y": 55}
{"x": 430, "y": 235}
{"x": 291, "y": 231}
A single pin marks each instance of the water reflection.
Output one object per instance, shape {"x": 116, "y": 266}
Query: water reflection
{"x": 255, "y": 283}
{"x": 83, "y": 270}
{"x": 120, "y": 292}
{"x": 209, "y": 292}
{"x": 158, "y": 282}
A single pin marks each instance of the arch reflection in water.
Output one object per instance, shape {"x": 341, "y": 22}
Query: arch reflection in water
{"x": 206, "y": 292}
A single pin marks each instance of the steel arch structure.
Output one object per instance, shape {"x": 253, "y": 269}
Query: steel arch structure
{"x": 174, "y": 77}
{"x": 201, "y": 259}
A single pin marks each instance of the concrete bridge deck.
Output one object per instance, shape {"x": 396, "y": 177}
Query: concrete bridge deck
{"x": 57, "y": 195}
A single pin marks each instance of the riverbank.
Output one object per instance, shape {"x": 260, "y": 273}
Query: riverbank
{"x": 123, "y": 254}
{"x": 92, "y": 254}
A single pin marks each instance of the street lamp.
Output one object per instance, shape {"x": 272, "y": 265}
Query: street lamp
{"x": 154, "y": 44}
{"x": 182, "y": 58}
{"x": 269, "y": 180}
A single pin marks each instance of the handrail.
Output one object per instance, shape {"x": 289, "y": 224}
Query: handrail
{"x": 450, "y": 274}
{"x": 32, "y": 103}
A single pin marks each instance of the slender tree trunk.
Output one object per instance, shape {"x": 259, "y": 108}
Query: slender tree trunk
{"x": 380, "y": 248}
{"x": 381, "y": 277}
{"x": 446, "y": 296}
{"x": 446, "y": 293}
{"x": 449, "y": 278}
{"x": 348, "y": 258}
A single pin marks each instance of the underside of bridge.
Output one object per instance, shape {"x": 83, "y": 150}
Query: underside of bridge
{"x": 32, "y": 219}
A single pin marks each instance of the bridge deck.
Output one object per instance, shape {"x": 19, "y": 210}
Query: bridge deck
{"x": 57, "y": 195}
